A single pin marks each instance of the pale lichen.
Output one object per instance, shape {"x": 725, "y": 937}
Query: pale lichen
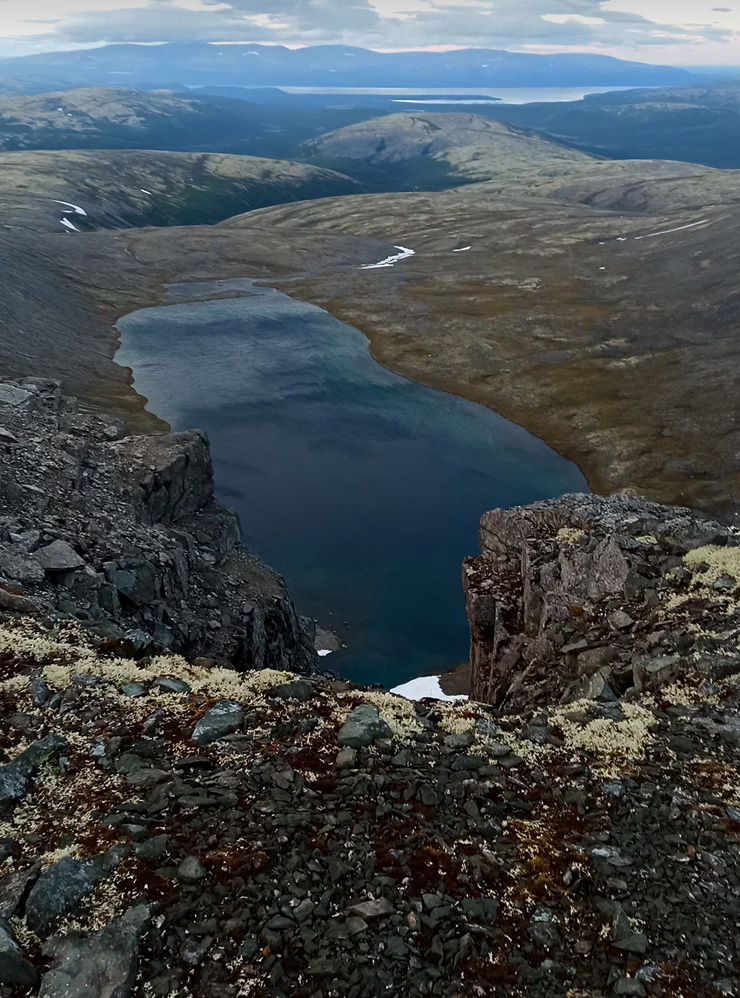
{"x": 610, "y": 739}
{"x": 570, "y": 535}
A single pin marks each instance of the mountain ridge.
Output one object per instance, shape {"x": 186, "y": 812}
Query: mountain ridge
{"x": 192, "y": 64}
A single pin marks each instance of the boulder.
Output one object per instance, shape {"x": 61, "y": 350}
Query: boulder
{"x": 224, "y": 718}
{"x": 16, "y": 777}
{"x": 102, "y": 964}
{"x": 363, "y": 727}
{"x": 14, "y": 967}
{"x": 59, "y": 556}
{"x": 61, "y": 888}
{"x": 12, "y": 395}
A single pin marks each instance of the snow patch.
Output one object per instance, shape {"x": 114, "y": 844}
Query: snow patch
{"x": 463, "y": 249}
{"x": 323, "y": 652}
{"x": 72, "y": 207}
{"x": 145, "y": 192}
{"x": 681, "y": 228}
{"x": 391, "y": 261}
{"x": 69, "y": 225}
{"x": 424, "y": 686}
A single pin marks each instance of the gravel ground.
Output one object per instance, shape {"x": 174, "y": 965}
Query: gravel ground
{"x": 270, "y": 848}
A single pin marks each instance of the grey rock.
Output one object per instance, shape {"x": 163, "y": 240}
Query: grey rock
{"x": 620, "y": 620}
{"x": 13, "y": 890}
{"x": 14, "y": 967}
{"x": 191, "y": 870}
{"x": 299, "y": 689}
{"x": 134, "y": 690}
{"x": 11, "y": 395}
{"x": 224, "y": 718}
{"x": 16, "y": 564}
{"x": 369, "y": 910}
{"x": 463, "y": 740}
{"x": 167, "y": 685}
{"x": 363, "y": 727}
{"x": 61, "y": 888}
{"x": 630, "y": 987}
{"x": 102, "y": 964}
{"x": 59, "y": 557}
{"x": 347, "y": 758}
{"x": 15, "y": 603}
{"x": 635, "y": 943}
{"x": 153, "y": 849}
{"x": 16, "y": 777}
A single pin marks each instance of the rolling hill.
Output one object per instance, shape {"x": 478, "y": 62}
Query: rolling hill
{"x": 699, "y": 123}
{"x": 429, "y": 150}
{"x": 54, "y": 191}
{"x": 109, "y": 118}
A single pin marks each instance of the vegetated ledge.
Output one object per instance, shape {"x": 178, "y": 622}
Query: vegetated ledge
{"x": 181, "y": 829}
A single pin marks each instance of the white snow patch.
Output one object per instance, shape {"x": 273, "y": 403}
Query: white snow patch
{"x": 463, "y": 249}
{"x": 621, "y": 239}
{"x": 323, "y": 652}
{"x": 681, "y": 228}
{"x": 391, "y": 261}
{"x": 72, "y": 207}
{"x": 424, "y": 686}
{"x": 69, "y": 225}
{"x": 145, "y": 192}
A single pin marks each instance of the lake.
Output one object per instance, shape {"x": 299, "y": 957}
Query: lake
{"x": 362, "y": 488}
{"x": 498, "y": 95}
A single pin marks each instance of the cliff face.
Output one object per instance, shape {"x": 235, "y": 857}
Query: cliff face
{"x": 596, "y": 598}
{"x": 123, "y": 534}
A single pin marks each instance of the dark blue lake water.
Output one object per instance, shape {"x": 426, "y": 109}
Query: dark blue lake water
{"x": 363, "y": 489}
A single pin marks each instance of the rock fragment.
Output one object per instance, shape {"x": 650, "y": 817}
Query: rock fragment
{"x": 103, "y": 963}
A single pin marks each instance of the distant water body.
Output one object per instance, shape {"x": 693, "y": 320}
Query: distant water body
{"x": 363, "y": 489}
{"x": 472, "y": 95}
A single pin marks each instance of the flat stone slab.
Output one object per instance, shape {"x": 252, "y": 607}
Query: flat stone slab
{"x": 10, "y": 395}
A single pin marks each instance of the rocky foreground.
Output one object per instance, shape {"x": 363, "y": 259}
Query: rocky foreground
{"x": 198, "y": 825}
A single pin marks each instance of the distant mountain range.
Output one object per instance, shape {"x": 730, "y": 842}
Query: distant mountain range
{"x": 204, "y": 64}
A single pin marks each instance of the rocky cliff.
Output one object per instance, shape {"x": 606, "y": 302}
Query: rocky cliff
{"x": 123, "y": 534}
{"x": 173, "y": 827}
{"x": 600, "y": 598}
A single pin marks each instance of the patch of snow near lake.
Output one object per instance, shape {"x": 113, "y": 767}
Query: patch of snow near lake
{"x": 423, "y": 687}
{"x": 69, "y": 225}
{"x": 464, "y": 249}
{"x": 72, "y": 207}
{"x": 145, "y": 192}
{"x": 681, "y": 228}
{"x": 391, "y": 261}
{"x": 323, "y": 652}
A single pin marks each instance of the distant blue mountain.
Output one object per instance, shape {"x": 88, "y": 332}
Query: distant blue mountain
{"x": 204, "y": 64}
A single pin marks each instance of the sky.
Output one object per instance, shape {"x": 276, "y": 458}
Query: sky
{"x": 677, "y": 32}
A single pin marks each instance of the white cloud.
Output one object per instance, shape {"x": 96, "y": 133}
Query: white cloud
{"x": 632, "y": 28}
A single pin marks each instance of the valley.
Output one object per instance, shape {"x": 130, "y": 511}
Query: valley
{"x": 266, "y": 365}
{"x": 579, "y": 293}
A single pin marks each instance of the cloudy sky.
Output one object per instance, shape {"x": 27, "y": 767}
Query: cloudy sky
{"x": 684, "y": 32}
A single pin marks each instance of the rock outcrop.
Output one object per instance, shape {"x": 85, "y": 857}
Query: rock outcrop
{"x": 123, "y": 533}
{"x": 585, "y": 597}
